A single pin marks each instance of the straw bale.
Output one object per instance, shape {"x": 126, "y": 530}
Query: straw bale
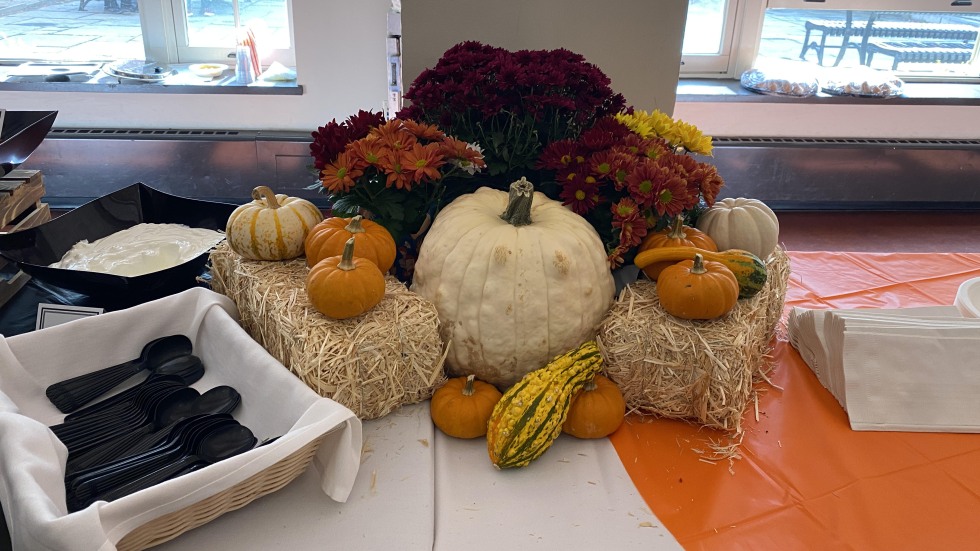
{"x": 700, "y": 371}
{"x": 374, "y": 363}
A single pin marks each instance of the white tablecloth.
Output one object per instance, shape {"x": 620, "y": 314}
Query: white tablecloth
{"x": 418, "y": 489}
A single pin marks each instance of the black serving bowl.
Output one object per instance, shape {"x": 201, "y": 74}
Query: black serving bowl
{"x": 34, "y": 249}
{"x": 21, "y": 133}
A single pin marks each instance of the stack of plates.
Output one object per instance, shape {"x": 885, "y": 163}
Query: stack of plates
{"x": 139, "y": 69}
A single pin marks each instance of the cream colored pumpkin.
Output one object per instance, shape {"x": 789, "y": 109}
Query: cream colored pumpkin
{"x": 271, "y": 227}
{"x": 511, "y": 297}
{"x": 741, "y": 223}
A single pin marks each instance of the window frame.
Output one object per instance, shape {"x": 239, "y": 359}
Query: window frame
{"x": 715, "y": 63}
{"x": 163, "y": 24}
{"x": 746, "y": 20}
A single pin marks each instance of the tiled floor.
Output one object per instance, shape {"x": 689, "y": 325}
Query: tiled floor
{"x": 880, "y": 231}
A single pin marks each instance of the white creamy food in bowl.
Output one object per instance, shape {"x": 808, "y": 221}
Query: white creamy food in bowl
{"x": 142, "y": 249}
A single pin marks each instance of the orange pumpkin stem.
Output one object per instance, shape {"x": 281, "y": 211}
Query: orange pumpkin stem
{"x": 519, "y": 198}
{"x": 468, "y": 386}
{"x": 677, "y": 228}
{"x": 590, "y": 386}
{"x": 698, "y": 266}
{"x": 347, "y": 258}
{"x": 264, "y": 192}
{"x": 354, "y": 226}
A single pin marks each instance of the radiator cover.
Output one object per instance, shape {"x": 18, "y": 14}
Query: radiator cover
{"x": 851, "y": 174}
{"x": 788, "y": 174}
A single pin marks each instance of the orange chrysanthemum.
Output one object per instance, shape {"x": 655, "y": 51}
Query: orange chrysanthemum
{"x": 429, "y": 132}
{"x": 366, "y": 152}
{"x": 424, "y": 161}
{"x": 397, "y": 174}
{"x": 394, "y": 135}
{"x": 339, "y": 175}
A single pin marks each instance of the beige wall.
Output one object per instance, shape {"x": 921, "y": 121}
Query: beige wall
{"x": 637, "y": 43}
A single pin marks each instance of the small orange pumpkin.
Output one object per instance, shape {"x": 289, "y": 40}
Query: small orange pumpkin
{"x": 697, "y": 289}
{"x": 371, "y": 241}
{"x": 675, "y": 235}
{"x": 596, "y": 411}
{"x": 462, "y": 407}
{"x": 342, "y": 287}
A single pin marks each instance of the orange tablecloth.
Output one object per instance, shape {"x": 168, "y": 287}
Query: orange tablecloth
{"x": 805, "y": 479}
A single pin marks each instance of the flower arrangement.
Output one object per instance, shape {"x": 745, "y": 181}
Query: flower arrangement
{"x": 511, "y": 103}
{"x": 629, "y": 174}
{"x": 395, "y": 171}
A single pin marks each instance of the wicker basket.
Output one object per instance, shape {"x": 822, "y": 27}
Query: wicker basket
{"x": 168, "y": 527}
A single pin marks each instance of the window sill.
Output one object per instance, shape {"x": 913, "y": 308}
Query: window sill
{"x": 915, "y": 93}
{"x": 183, "y": 82}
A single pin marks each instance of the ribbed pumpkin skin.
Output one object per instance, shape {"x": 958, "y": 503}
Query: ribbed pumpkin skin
{"x": 463, "y": 415}
{"x": 750, "y": 271}
{"x": 512, "y": 298}
{"x": 741, "y": 223}
{"x": 259, "y": 232}
{"x": 529, "y": 416}
{"x": 676, "y": 235}
{"x": 327, "y": 239}
{"x": 342, "y": 294}
{"x": 596, "y": 411}
{"x": 687, "y": 294}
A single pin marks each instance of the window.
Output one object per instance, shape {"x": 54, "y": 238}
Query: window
{"x": 168, "y": 31}
{"x": 708, "y": 36}
{"x": 918, "y": 39}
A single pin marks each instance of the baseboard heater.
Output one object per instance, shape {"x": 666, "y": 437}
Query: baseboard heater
{"x": 851, "y": 173}
{"x": 787, "y": 173}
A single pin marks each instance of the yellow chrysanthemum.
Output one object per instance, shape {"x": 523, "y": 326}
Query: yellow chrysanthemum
{"x": 659, "y": 124}
{"x": 691, "y": 138}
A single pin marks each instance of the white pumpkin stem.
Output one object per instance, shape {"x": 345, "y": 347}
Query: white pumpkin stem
{"x": 590, "y": 386}
{"x": 519, "y": 198}
{"x": 354, "y": 226}
{"x": 468, "y": 386}
{"x": 347, "y": 258}
{"x": 698, "y": 266}
{"x": 264, "y": 192}
{"x": 677, "y": 228}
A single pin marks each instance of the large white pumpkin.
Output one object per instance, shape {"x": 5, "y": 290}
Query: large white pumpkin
{"x": 741, "y": 223}
{"x": 511, "y": 297}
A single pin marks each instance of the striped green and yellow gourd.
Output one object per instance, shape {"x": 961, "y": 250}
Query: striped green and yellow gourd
{"x": 529, "y": 416}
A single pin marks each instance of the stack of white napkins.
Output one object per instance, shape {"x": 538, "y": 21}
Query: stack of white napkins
{"x": 903, "y": 369}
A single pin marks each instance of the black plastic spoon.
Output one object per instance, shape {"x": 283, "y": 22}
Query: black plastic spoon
{"x": 71, "y": 394}
{"x": 92, "y": 435}
{"x": 83, "y": 487}
{"x": 218, "y": 444}
{"x": 186, "y": 370}
{"x": 220, "y": 399}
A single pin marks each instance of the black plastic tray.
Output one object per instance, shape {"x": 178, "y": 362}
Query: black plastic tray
{"x": 34, "y": 249}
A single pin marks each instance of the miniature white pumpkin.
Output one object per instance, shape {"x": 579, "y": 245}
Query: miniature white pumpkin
{"x": 517, "y": 279}
{"x": 271, "y": 227}
{"x": 741, "y": 223}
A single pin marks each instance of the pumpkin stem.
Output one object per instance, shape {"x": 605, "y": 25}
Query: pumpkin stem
{"x": 698, "y": 266}
{"x": 590, "y": 386}
{"x": 347, "y": 258}
{"x": 468, "y": 386}
{"x": 354, "y": 226}
{"x": 519, "y": 198}
{"x": 264, "y": 192}
{"x": 677, "y": 228}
